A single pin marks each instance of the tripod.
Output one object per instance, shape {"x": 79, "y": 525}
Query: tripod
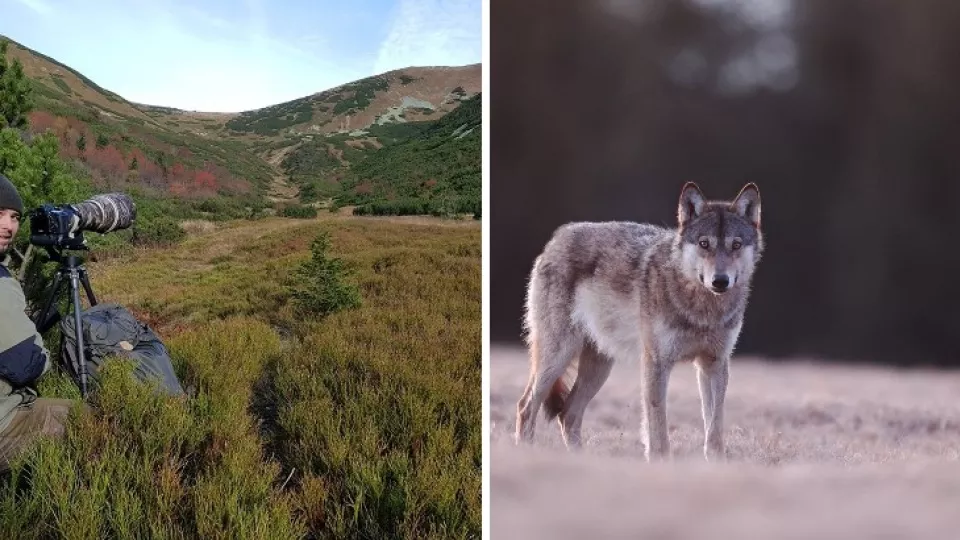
{"x": 72, "y": 273}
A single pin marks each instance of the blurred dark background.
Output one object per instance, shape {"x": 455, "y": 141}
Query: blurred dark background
{"x": 846, "y": 113}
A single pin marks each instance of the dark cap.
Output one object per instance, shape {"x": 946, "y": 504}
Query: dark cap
{"x": 9, "y": 198}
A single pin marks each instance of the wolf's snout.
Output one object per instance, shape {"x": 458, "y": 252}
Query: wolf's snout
{"x": 720, "y": 282}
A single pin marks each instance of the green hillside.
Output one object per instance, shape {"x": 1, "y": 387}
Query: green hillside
{"x": 425, "y": 167}
{"x": 322, "y": 107}
{"x": 437, "y": 171}
{"x": 270, "y": 120}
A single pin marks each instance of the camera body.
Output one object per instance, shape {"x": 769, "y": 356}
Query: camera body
{"x": 62, "y": 226}
{"x": 52, "y": 226}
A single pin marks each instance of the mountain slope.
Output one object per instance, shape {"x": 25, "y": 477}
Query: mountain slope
{"x": 427, "y": 166}
{"x": 200, "y": 154}
{"x": 395, "y": 96}
{"x": 438, "y": 170}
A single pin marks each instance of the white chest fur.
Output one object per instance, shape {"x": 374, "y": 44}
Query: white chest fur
{"x": 610, "y": 318}
{"x": 614, "y": 321}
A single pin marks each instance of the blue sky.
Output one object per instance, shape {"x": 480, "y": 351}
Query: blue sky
{"x": 220, "y": 55}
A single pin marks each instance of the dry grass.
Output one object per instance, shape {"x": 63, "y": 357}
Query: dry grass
{"x": 816, "y": 451}
{"x": 196, "y": 227}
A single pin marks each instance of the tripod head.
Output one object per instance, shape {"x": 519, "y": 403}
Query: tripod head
{"x": 56, "y": 253}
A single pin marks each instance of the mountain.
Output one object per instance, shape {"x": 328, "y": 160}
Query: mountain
{"x": 315, "y": 140}
{"x": 245, "y": 155}
{"x": 411, "y": 94}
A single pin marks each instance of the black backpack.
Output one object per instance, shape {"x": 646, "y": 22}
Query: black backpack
{"x": 111, "y": 330}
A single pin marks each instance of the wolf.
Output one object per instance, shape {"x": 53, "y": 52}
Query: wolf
{"x": 603, "y": 292}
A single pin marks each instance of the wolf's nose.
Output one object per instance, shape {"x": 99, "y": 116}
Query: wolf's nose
{"x": 721, "y": 282}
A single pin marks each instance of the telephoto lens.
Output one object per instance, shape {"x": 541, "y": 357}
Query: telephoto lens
{"x": 105, "y": 213}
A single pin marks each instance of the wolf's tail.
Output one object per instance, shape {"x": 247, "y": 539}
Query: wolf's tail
{"x": 556, "y": 399}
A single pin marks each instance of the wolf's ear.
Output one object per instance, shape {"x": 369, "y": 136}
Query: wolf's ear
{"x": 747, "y": 203}
{"x": 691, "y": 203}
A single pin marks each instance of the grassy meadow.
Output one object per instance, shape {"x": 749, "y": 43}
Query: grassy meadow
{"x": 361, "y": 423}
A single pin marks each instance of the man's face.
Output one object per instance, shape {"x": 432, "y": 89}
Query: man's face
{"x": 9, "y": 225}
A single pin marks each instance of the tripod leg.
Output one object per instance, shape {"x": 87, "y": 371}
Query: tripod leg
{"x": 86, "y": 286}
{"x": 81, "y": 357}
{"x": 42, "y": 318}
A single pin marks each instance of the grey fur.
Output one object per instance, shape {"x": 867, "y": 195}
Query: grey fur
{"x": 610, "y": 292}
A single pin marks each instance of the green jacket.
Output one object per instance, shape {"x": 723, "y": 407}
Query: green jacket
{"x": 23, "y": 356}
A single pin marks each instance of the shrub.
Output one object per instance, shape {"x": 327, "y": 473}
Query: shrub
{"x": 157, "y": 232}
{"x": 299, "y": 211}
{"x": 320, "y": 287}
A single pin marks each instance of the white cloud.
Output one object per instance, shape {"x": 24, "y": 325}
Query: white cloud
{"x": 432, "y": 33}
{"x": 39, "y": 6}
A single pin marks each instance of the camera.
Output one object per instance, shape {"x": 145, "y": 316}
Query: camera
{"x": 58, "y": 228}
{"x": 62, "y": 226}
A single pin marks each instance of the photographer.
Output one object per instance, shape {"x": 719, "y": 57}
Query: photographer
{"x": 23, "y": 357}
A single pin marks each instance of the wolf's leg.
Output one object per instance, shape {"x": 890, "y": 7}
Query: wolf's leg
{"x": 593, "y": 371}
{"x": 712, "y": 376}
{"x": 656, "y": 375}
{"x": 550, "y": 356}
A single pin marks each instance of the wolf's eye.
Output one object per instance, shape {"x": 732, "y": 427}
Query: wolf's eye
{"x": 704, "y": 244}
{"x": 736, "y": 245}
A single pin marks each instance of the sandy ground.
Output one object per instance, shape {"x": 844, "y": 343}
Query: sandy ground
{"x": 816, "y": 452}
